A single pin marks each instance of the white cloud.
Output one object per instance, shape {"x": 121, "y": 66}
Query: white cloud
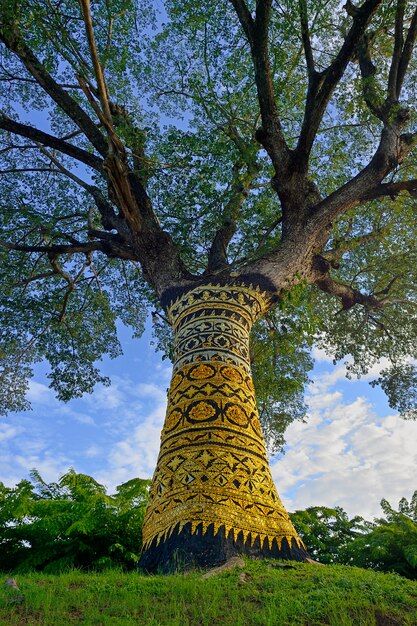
{"x": 136, "y": 453}
{"x": 7, "y": 431}
{"x": 83, "y": 418}
{"x": 322, "y": 384}
{"x": 39, "y": 392}
{"x": 14, "y": 467}
{"x": 319, "y": 354}
{"x": 93, "y": 451}
{"x": 376, "y": 368}
{"x": 150, "y": 390}
{"x": 345, "y": 455}
{"x": 107, "y": 398}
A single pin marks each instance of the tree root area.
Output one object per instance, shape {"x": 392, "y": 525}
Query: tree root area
{"x": 184, "y": 551}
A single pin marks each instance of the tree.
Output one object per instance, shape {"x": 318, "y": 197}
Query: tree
{"x": 72, "y": 523}
{"x": 277, "y": 191}
{"x": 328, "y": 532}
{"x": 391, "y": 546}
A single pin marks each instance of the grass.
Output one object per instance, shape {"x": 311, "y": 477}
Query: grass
{"x": 257, "y": 595}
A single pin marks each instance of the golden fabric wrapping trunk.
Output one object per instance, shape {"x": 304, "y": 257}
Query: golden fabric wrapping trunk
{"x": 212, "y": 472}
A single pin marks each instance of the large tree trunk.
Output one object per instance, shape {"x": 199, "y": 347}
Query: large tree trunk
{"x": 212, "y": 494}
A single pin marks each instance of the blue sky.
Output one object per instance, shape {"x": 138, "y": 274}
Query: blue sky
{"x": 353, "y": 450}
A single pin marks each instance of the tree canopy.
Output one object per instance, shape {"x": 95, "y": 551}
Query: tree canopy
{"x": 146, "y": 145}
{"x": 391, "y": 545}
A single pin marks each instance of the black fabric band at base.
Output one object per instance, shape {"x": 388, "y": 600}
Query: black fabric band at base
{"x": 184, "y": 551}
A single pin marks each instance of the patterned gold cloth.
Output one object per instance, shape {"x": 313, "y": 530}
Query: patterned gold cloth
{"x": 212, "y": 468}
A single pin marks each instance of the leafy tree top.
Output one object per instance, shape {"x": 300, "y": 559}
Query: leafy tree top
{"x": 145, "y": 150}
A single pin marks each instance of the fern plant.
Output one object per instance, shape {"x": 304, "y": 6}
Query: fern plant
{"x": 72, "y": 523}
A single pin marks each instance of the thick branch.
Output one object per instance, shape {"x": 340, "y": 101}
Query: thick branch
{"x": 396, "y": 55}
{"x": 350, "y": 296}
{"x": 324, "y": 84}
{"x": 406, "y": 53}
{"x": 101, "y": 84}
{"x": 109, "y": 219}
{"x": 305, "y": 34}
{"x": 270, "y": 135}
{"x": 347, "y": 294}
{"x": 290, "y": 261}
{"x": 392, "y": 189}
{"x": 392, "y": 150}
{"x": 373, "y": 98}
{"x": 245, "y": 18}
{"x": 39, "y": 136}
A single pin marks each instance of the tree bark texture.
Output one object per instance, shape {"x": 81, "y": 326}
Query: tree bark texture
{"x": 212, "y": 494}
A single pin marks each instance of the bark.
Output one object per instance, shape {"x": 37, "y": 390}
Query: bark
{"x": 212, "y": 494}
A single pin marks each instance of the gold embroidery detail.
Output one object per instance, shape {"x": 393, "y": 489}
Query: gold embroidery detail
{"x": 202, "y": 412}
{"x": 202, "y": 371}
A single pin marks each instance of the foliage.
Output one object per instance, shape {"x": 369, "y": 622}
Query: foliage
{"x": 280, "y": 358}
{"x": 327, "y": 532}
{"x": 211, "y": 137}
{"x": 262, "y": 593}
{"x": 53, "y": 527}
{"x": 391, "y": 546}
{"x": 387, "y": 544}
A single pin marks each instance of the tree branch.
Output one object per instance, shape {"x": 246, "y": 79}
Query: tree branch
{"x": 35, "y": 277}
{"x": 396, "y": 55}
{"x": 109, "y": 219}
{"x": 374, "y": 100}
{"x": 270, "y": 135}
{"x": 54, "y": 249}
{"x": 241, "y": 183}
{"x": 9, "y": 77}
{"x": 39, "y": 136}
{"x": 324, "y": 83}
{"x": 109, "y": 247}
{"x": 21, "y": 170}
{"x": 101, "y": 83}
{"x": 346, "y": 245}
{"x": 392, "y": 189}
{"x": 351, "y": 296}
{"x": 406, "y": 53}
{"x": 388, "y": 288}
{"x": 63, "y": 170}
{"x": 392, "y": 150}
{"x": 305, "y": 34}
{"x": 245, "y": 18}
{"x": 15, "y": 43}
{"x": 347, "y": 294}
{"x": 71, "y": 283}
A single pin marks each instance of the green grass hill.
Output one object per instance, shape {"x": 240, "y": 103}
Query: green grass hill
{"x": 260, "y": 593}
